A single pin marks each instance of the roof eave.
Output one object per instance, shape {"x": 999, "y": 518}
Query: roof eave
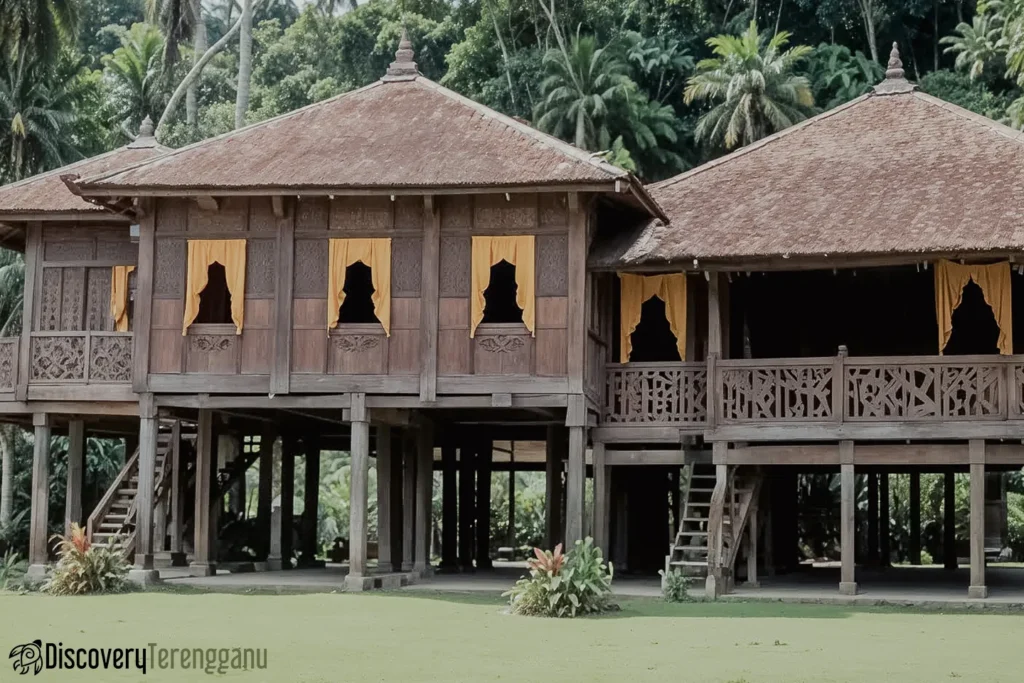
{"x": 91, "y": 191}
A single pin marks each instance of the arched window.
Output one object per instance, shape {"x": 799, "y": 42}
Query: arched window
{"x": 358, "y": 305}
{"x": 500, "y": 296}
{"x": 215, "y": 299}
{"x": 653, "y": 341}
{"x": 974, "y": 325}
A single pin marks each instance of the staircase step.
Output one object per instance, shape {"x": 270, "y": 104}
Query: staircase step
{"x": 701, "y": 490}
{"x": 687, "y": 563}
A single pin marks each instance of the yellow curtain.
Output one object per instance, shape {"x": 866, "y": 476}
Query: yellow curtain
{"x": 374, "y": 253}
{"x": 201, "y": 255}
{"x": 994, "y": 281}
{"x": 635, "y": 290}
{"x": 517, "y": 250}
{"x": 119, "y": 296}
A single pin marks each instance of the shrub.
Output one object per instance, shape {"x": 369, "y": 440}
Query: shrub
{"x": 564, "y": 585}
{"x": 12, "y": 568}
{"x": 86, "y": 568}
{"x": 675, "y": 586}
{"x": 926, "y": 557}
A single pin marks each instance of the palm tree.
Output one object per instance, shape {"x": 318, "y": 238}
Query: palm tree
{"x": 12, "y": 289}
{"x": 36, "y": 112}
{"x": 39, "y": 26}
{"x": 135, "y": 73}
{"x": 581, "y": 85}
{"x": 751, "y": 80}
{"x": 329, "y": 7}
{"x": 977, "y": 44}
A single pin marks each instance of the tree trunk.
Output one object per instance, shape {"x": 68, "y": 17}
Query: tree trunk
{"x": 244, "y": 65}
{"x": 867, "y": 10}
{"x": 199, "y": 44}
{"x": 6, "y": 474}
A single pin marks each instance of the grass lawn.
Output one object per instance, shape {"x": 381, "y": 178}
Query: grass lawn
{"x": 404, "y": 638}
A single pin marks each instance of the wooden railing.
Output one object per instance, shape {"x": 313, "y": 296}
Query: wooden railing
{"x": 832, "y": 390}
{"x": 8, "y": 363}
{"x": 80, "y": 357}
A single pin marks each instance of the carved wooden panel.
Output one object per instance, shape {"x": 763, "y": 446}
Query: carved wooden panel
{"x": 553, "y": 209}
{"x": 920, "y": 391}
{"x": 552, "y": 265}
{"x": 456, "y": 265}
{"x": 456, "y": 212}
{"x": 656, "y": 393}
{"x": 57, "y": 358}
{"x": 260, "y": 267}
{"x": 123, "y": 251}
{"x": 312, "y": 213}
{"x": 362, "y": 214}
{"x": 406, "y": 266}
{"x": 512, "y": 215}
{"x": 357, "y": 350}
{"x": 69, "y": 250}
{"x": 97, "y": 305}
{"x": 169, "y": 271}
{"x": 781, "y": 393}
{"x": 311, "y": 260}
{"x": 409, "y": 212}
{"x": 261, "y": 215}
{"x": 110, "y": 358}
{"x": 8, "y": 363}
{"x": 232, "y": 215}
{"x": 172, "y": 215}
{"x": 213, "y": 352}
{"x": 49, "y": 305}
{"x": 502, "y": 349}
{"x": 72, "y": 305}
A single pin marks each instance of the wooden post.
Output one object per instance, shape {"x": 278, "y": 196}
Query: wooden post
{"x": 33, "y": 258}
{"x": 143, "y": 310}
{"x": 575, "y": 484}
{"x": 38, "y": 553}
{"x": 283, "y": 560}
{"x": 467, "y": 502}
{"x": 949, "y": 560}
{"x": 872, "y": 559}
{"x": 280, "y": 369}
{"x": 576, "y": 326}
{"x": 449, "y": 508}
{"x": 429, "y": 298}
{"x": 360, "y": 450}
{"x": 144, "y": 494}
{"x": 397, "y": 513}
{"x": 847, "y": 517}
{"x": 265, "y": 493}
{"x": 915, "y": 518}
{"x": 884, "y": 519}
{"x": 385, "y": 521}
{"x": 311, "y": 502}
{"x": 178, "y": 558}
{"x": 511, "y": 529}
{"x": 76, "y": 470}
{"x": 484, "y": 458}
{"x": 977, "y": 589}
{"x": 715, "y": 343}
{"x": 602, "y": 500}
{"x": 408, "y": 503}
{"x": 202, "y": 562}
{"x": 424, "y": 498}
{"x": 554, "y": 454}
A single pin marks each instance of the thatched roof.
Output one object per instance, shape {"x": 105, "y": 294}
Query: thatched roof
{"x": 895, "y": 171}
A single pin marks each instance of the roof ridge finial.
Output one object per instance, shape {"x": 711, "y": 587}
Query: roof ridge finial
{"x": 895, "y": 81}
{"x": 147, "y": 135}
{"x": 403, "y": 68}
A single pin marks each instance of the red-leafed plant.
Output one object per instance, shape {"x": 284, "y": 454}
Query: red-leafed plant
{"x": 564, "y": 584}
{"x": 87, "y": 568}
{"x": 548, "y": 561}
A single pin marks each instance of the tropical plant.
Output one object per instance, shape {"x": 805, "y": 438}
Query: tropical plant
{"x": 12, "y": 568}
{"x": 134, "y": 71}
{"x": 581, "y": 87}
{"x": 564, "y": 585}
{"x": 37, "y": 28}
{"x": 87, "y": 568}
{"x": 838, "y": 75}
{"x": 978, "y": 44}
{"x": 675, "y": 586}
{"x": 660, "y": 64}
{"x": 752, "y": 83}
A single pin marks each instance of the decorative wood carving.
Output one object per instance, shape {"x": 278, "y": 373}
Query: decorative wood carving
{"x": 69, "y": 250}
{"x": 312, "y": 214}
{"x": 362, "y": 214}
{"x": 311, "y": 269}
{"x": 656, "y": 393}
{"x": 455, "y": 265}
{"x": 495, "y": 212}
{"x": 260, "y": 267}
{"x": 49, "y": 306}
{"x": 97, "y": 305}
{"x": 169, "y": 274}
{"x": 8, "y": 363}
{"x": 58, "y": 358}
{"x": 917, "y": 391}
{"x": 72, "y": 304}
{"x": 211, "y": 343}
{"x": 261, "y": 215}
{"x": 552, "y": 265}
{"x": 409, "y": 213}
{"x": 110, "y": 359}
{"x": 232, "y": 215}
{"x": 501, "y": 343}
{"x": 782, "y": 393}
{"x": 456, "y": 212}
{"x": 553, "y": 209}
{"x": 119, "y": 250}
{"x": 406, "y": 265}
{"x": 172, "y": 215}
{"x": 355, "y": 343}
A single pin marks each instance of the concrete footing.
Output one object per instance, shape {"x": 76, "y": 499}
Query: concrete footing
{"x": 977, "y": 592}
{"x": 358, "y": 583}
{"x": 144, "y": 577}
{"x": 847, "y": 587}
{"x": 196, "y": 569}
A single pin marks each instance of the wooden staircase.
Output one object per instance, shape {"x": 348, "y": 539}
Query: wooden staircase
{"x": 689, "y": 552}
{"x": 115, "y": 514}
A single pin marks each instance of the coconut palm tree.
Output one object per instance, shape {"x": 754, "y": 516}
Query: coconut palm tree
{"x": 12, "y": 289}
{"x": 135, "y": 74}
{"x": 39, "y": 26}
{"x": 978, "y": 44}
{"x": 753, "y": 87}
{"x": 581, "y": 86}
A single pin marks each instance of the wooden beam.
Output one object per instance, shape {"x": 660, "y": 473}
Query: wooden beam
{"x": 429, "y": 298}
{"x": 360, "y": 452}
{"x": 143, "y": 310}
{"x": 385, "y": 476}
{"x": 280, "y": 369}
{"x": 277, "y": 205}
{"x": 576, "y": 332}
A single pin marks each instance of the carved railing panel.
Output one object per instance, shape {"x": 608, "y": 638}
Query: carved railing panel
{"x": 656, "y": 393}
{"x": 8, "y": 363}
{"x": 110, "y": 358}
{"x": 503, "y": 349}
{"x": 940, "y": 390}
{"x": 213, "y": 349}
{"x": 777, "y": 392}
{"x": 58, "y": 358}
{"x": 79, "y": 357}
{"x": 357, "y": 349}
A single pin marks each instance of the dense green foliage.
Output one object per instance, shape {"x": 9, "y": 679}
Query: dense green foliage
{"x": 564, "y": 585}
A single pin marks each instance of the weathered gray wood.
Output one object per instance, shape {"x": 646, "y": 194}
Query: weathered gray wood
{"x": 469, "y": 384}
{"x": 484, "y": 449}
{"x": 76, "y": 472}
{"x": 429, "y": 298}
{"x": 915, "y": 518}
{"x": 38, "y": 536}
{"x": 675, "y": 456}
{"x": 872, "y": 554}
{"x": 576, "y": 327}
{"x": 177, "y": 503}
{"x": 213, "y": 384}
{"x": 280, "y": 369}
{"x": 715, "y": 342}
{"x": 602, "y": 498}
{"x": 360, "y": 451}
{"x": 385, "y": 478}
{"x": 887, "y": 431}
{"x": 147, "y": 478}
{"x": 575, "y": 483}
{"x": 424, "y": 497}
{"x": 977, "y": 589}
{"x": 409, "y": 466}
{"x": 289, "y": 449}
{"x": 885, "y": 551}
{"x": 311, "y": 500}
{"x": 29, "y": 319}
{"x": 555, "y": 446}
{"x": 143, "y": 310}
{"x": 753, "y": 526}
{"x": 949, "y": 558}
{"x": 449, "y": 507}
{"x": 467, "y": 504}
{"x": 203, "y": 564}
{"x": 847, "y": 525}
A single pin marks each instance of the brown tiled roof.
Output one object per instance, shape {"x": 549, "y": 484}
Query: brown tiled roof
{"x": 895, "y": 171}
{"x": 407, "y": 132}
{"x": 46, "y": 193}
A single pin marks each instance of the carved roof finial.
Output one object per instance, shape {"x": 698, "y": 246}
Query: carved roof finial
{"x": 403, "y": 67}
{"x": 895, "y": 82}
{"x": 146, "y": 137}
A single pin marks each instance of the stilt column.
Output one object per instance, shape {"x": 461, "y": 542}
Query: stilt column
{"x": 203, "y": 564}
{"x": 467, "y": 502}
{"x": 76, "y": 468}
{"x": 385, "y": 521}
{"x": 177, "y": 504}
{"x": 847, "y": 512}
{"x": 915, "y": 518}
{"x": 949, "y": 521}
{"x": 311, "y": 502}
{"x": 484, "y": 457}
{"x": 357, "y": 579}
{"x": 449, "y": 508}
{"x": 408, "y": 502}
{"x": 144, "y": 494}
{"x": 602, "y": 498}
{"x": 978, "y": 589}
{"x": 424, "y": 498}
{"x": 38, "y": 554}
{"x": 265, "y": 493}
{"x": 555, "y": 455}
{"x": 872, "y": 559}
{"x": 575, "y": 483}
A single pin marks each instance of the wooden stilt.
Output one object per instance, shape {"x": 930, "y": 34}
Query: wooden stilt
{"x": 397, "y": 504}
{"x": 424, "y": 497}
{"x": 177, "y": 530}
{"x": 357, "y": 579}
{"x": 76, "y": 470}
{"x": 311, "y": 502}
{"x": 872, "y": 558}
{"x": 915, "y": 518}
{"x": 467, "y": 498}
{"x": 385, "y": 463}
{"x": 949, "y": 559}
{"x": 555, "y": 454}
{"x": 511, "y": 532}
{"x": 38, "y": 553}
{"x": 408, "y": 502}
{"x": 281, "y": 540}
{"x": 203, "y": 564}
{"x": 484, "y": 456}
{"x": 147, "y": 477}
{"x": 884, "y": 519}
{"x": 575, "y": 483}
{"x": 265, "y": 493}
{"x": 602, "y": 500}
{"x": 977, "y": 589}
{"x": 752, "y": 531}
{"x": 847, "y": 519}
{"x": 449, "y": 507}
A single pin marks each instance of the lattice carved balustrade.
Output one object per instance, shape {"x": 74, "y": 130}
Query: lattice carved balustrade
{"x": 8, "y": 363}
{"x": 646, "y": 393}
{"x": 798, "y": 390}
{"x": 78, "y": 357}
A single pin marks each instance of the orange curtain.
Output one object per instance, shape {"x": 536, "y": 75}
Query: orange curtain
{"x": 635, "y": 290}
{"x": 994, "y": 281}
{"x": 372, "y": 252}
{"x": 119, "y": 296}
{"x": 517, "y": 250}
{"x": 201, "y": 255}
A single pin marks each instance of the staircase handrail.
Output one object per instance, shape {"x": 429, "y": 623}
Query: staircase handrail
{"x": 103, "y": 507}
{"x": 715, "y": 527}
